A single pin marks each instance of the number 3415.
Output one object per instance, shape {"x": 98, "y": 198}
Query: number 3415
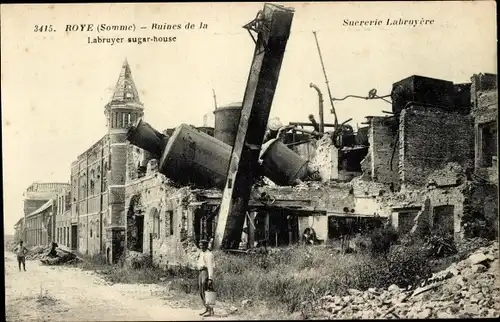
{"x": 43, "y": 28}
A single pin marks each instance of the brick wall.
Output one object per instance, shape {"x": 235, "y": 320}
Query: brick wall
{"x": 118, "y": 164}
{"x": 481, "y": 83}
{"x": 382, "y": 150}
{"x": 429, "y": 139}
{"x": 485, "y": 111}
{"x": 435, "y": 197}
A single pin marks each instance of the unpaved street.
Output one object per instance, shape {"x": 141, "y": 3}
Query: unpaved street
{"x": 54, "y": 293}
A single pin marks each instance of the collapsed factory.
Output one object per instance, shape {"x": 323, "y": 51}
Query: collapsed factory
{"x": 426, "y": 165}
{"x": 247, "y": 181}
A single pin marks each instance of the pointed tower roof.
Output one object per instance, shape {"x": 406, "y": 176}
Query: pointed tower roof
{"x": 125, "y": 89}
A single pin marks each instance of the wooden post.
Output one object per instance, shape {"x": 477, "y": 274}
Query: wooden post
{"x": 266, "y": 227}
{"x": 290, "y": 234}
{"x": 251, "y": 229}
{"x": 273, "y": 29}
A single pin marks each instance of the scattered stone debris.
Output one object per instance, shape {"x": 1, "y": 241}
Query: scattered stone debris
{"x": 469, "y": 288}
{"x": 136, "y": 260}
{"x": 63, "y": 255}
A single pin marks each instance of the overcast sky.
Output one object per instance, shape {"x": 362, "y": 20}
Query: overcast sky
{"x": 55, "y": 85}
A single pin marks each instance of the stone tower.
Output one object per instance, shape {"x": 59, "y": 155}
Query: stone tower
{"x": 124, "y": 108}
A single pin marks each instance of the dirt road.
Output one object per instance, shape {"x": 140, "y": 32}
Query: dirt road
{"x": 54, "y": 293}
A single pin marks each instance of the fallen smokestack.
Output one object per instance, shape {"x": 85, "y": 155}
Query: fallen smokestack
{"x": 144, "y": 136}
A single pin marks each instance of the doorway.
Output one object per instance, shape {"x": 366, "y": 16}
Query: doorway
{"x": 74, "y": 236}
{"x": 139, "y": 225}
{"x": 443, "y": 219}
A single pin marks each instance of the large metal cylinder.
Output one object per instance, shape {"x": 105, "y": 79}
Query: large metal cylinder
{"x": 206, "y": 129}
{"x": 194, "y": 157}
{"x": 141, "y": 134}
{"x": 282, "y": 165}
{"x": 227, "y": 120}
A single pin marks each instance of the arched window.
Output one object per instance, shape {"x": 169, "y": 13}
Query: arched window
{"x": 156, "y": 222}
{"x": 92, "y": 182}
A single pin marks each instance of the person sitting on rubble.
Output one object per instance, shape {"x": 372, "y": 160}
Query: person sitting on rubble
{"x": 261, "y": 246}
{"x": 206, "y": 271}
{"x": 309, "y": 236}
{"x": 53, "y": 252}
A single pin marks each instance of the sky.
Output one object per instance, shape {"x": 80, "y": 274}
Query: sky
{"x": 55, "y": 85}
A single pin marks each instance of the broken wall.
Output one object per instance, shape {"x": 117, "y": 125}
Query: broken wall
{"x": 326, "y": 159}
{"x": 384, "y": 156}
{"x": 480, "y": 210}
{"x": 485, "y": 112}
{"x": 168, "y": 222}
{"x": 367, "y": 195}
{"x": 430, "y": 138}
{"x": 333, "y": 197}
{"x": 447, "y": 199}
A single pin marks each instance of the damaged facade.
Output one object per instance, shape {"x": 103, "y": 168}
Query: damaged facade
{"x": 426, "y": 165}
{"x": 433, "y": 162}
{"x": 415, "y": 169}
{"x": 38, "y": 226}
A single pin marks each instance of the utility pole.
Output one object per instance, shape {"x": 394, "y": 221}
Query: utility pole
{"x": 326, "y": 82}
{"x": 272, "y": 26}
{"x": 215, "y": 99}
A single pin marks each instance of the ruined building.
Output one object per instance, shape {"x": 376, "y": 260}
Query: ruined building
{"x": 427, "y": 165}
{"x": 38, "y": 226}
{"x": 98, "y": 175}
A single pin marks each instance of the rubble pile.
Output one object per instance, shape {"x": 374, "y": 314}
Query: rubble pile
{"x": 136, "y": 260}
{"x": 63, "y": 255}
{"x": 467, "y": 289}
{"x": 37, "y": 252}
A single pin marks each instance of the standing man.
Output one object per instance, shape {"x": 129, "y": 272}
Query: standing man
{"x": 21, "y": 252}
{"x": 206, "y": 269}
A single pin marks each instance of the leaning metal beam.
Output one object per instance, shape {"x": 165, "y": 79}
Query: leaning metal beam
{"x": 272, "y": 26}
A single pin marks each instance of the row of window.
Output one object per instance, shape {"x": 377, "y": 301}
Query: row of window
{"x": 123, "y": 119}
{"x": 63, "y": 236}
{"x": 63, "y": 203}
{"x": 94, "y": 176}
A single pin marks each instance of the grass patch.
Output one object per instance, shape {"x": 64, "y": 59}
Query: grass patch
{"x": 288, "y": 276}
{"x": 284, "y": 279}
{"x": 181, "y": 278}
{"x": 44, "y": 298}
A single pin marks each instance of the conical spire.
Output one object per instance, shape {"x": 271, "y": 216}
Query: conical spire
{"x": 125, "y": 90}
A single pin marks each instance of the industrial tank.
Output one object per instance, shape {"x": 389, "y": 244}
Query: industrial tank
{"x": 141, "y": 134}
{"x": 227, "y": 119}
{"x": 282, "y": 165}
{"x": 192, "y": 156}
{"x": 206, "y": 129}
